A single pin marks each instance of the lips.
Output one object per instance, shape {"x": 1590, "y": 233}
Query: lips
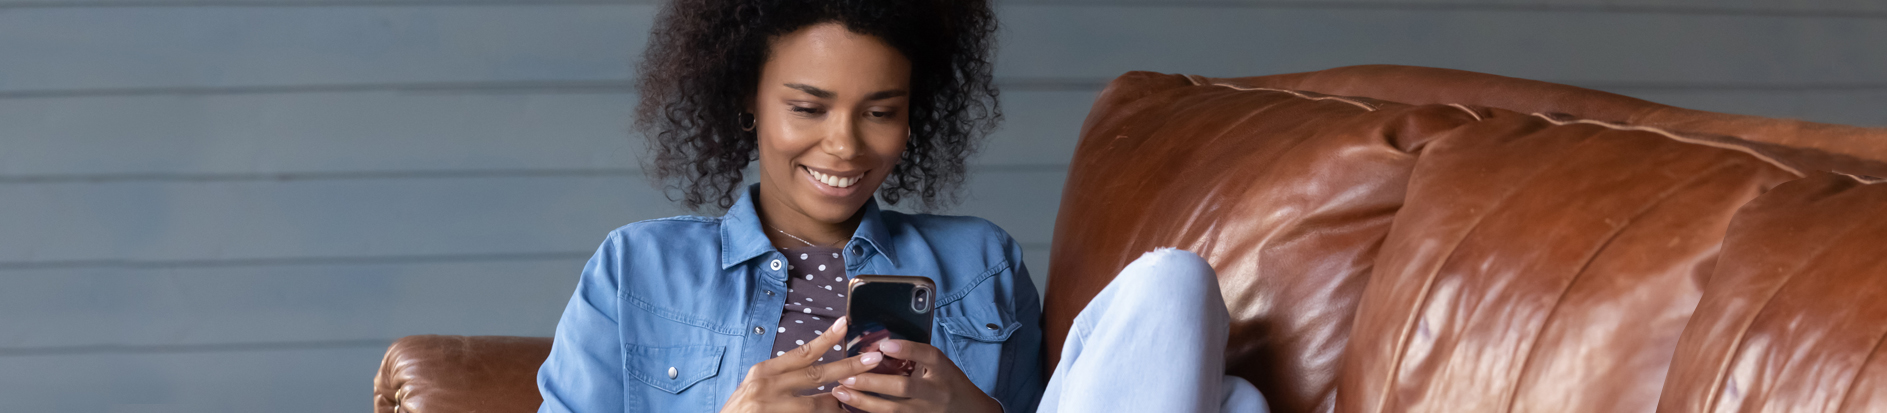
{"x": 835, "y": 181}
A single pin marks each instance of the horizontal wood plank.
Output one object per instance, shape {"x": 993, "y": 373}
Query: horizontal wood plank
{"x": 1039, "y": 128}
{"x": 179, "y": 137}
{"x": 369, "y": 134}
{"x": 1101, "y": 42}
{"x": 108, "y": 224}
{"x": 153, "y": 223}
{"x": 145, "y": 310}
{"x": 181, "y": 50}
{"x": 298, "y": 380}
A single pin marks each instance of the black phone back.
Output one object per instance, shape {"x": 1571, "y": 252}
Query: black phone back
{"x": 883, "y": 307}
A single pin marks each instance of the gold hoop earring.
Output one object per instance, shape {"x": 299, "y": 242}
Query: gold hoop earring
{"x": 747, "y": 120}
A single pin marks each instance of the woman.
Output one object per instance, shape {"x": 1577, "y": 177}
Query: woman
{"x": 836, "y": 100}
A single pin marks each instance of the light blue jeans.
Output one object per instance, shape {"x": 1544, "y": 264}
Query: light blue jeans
{"x": 1152, "y": 341}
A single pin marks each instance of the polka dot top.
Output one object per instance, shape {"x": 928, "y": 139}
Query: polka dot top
{"x": 815, "y": 296}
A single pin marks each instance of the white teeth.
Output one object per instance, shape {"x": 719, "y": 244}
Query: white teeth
{"x": 833, "y": 181}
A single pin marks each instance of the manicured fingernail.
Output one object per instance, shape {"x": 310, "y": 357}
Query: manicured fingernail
{"x": 844, "y": 396}
{"x": 890, "y": 347}
{"x": 870, "y": 358}
{"x": 850, "y": 380}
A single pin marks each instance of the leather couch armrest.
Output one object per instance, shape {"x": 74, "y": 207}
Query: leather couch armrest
{"x": 460, "y": 374}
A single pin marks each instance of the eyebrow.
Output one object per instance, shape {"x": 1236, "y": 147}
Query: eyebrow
{"x": 827, "y": 94}
{"x": 887, "y": 94}
{"x": 821, "y": 93}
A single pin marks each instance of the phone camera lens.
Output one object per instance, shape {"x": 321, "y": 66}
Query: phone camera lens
{"x": 920, "y": 300}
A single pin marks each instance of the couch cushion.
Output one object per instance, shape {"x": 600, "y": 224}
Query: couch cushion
{"x": 1794, "y": 316}
{"x": 1544, "y": 264}
{"x": 489, "y": 374}
{"x": 1286, "y": 194}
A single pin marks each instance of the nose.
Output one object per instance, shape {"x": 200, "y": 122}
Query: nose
{"x": 843, "y": 139}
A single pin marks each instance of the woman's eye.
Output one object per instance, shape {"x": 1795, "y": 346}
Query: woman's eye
{"x": 879, "y": 114}
{"x": 807, "y": 110}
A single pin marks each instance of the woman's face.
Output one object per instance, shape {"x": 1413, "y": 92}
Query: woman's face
{"x": 831, "y": 117}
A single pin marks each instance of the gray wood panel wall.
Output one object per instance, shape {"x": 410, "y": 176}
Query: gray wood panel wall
{"x": 234, "y": 205}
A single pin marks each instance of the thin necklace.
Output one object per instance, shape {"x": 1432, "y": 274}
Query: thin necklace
{"x": 795, "y": 237}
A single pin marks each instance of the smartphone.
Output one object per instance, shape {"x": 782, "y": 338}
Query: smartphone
{"x": 882, "y": 307}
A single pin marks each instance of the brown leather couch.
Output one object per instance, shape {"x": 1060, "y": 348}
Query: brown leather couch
{"x": 1405, "y": 239}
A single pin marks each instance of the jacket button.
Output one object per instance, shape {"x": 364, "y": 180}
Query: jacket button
{"x": 991, "y": 326}
{"x": 672, "y": 373}
{"x": 769, "y": 293}
{"x": 858, "y": 250}
{"x": 775, "y": 265}
{"x": 757, "y": 330}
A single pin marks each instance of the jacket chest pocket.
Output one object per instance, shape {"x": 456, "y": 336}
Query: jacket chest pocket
{"x": 678, "y": 378}
{"x": 976, "y": 333}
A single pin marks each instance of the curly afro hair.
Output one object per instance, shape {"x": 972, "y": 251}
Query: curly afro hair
{"x": 704, "y": 60}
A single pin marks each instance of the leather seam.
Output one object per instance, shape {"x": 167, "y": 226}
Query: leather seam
{"x": 1862, "y": 179}
{"x": 1464, "y": 108}
{"x": 1512, "y": 394}
{"x": 1367, "y": 107}
{"x": 401, "y": 395}
{"x": 1680, "y": 138}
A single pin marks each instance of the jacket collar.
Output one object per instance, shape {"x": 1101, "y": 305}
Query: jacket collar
{"x": 742, "y": 237}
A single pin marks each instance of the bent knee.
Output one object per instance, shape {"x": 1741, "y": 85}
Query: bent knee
{"x": 1169, "y": 269}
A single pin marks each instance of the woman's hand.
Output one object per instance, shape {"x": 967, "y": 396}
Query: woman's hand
{"x": 937, "y": 385}
{"x": 771, "y": 385}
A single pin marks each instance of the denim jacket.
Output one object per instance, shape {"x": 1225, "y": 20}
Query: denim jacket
{"x": 670, "y": 313}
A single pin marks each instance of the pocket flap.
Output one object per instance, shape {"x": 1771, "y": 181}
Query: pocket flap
{"x": 688, "y": 365}
{"x": 986, "y": 329}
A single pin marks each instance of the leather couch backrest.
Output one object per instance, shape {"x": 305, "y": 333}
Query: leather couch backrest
{"x": 1543, "y": 265}
{"x": 1794, "y": 318}
{"x": 1286, "y": 194}
{"x": 1450, "y": 255}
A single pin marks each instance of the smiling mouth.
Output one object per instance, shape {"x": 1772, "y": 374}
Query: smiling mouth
{"x": 834, "y": 180}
